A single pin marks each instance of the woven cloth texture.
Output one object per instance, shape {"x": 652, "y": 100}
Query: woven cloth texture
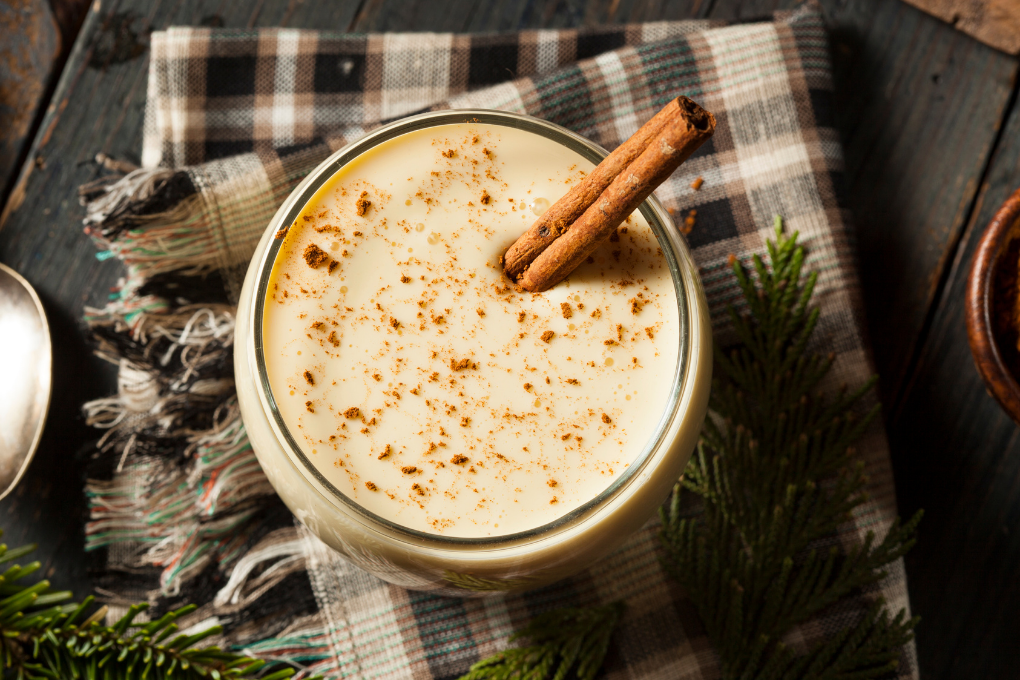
{"x": 234, "y": 120}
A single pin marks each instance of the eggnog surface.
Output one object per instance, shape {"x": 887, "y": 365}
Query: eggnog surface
{"x": 414, "y": 376}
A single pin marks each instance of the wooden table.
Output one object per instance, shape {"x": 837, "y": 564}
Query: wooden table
{"x": 931, "y": 126}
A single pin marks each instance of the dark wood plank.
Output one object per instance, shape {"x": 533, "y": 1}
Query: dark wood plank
{"x": 993, "y": 22}
{"x": 473, "y": 16}
{"x": 958, "y": 456}
{"x": 37, "y": 37}
{"x": 29, "y": 50}
{"x": 918, "y": 106}
{"x": 69, "y": 15}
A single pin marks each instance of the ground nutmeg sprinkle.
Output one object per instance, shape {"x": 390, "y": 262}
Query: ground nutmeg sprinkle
{"x": 398, "y": 352}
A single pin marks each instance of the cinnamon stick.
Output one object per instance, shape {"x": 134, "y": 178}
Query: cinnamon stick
{"x": 554, "y": 221}
{"x": 683, "y": 128}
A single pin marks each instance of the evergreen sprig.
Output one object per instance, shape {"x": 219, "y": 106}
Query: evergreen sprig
{"x": 776, "y": 475}
{"x": 45, "y": 636}
{"x": 561, "y": 641}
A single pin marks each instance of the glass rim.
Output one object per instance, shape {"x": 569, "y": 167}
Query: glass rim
{"x": 651, "y": 209}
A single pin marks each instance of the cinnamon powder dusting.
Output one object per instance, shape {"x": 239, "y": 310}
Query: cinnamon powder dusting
{"x": 315, "y": 256}
{"x": 445, "y": 356}
{"x": 363, "y": 204}
{"x": 689, "y": 222}
{"x": 461, "y": 365}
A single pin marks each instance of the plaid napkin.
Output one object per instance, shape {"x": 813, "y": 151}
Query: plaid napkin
{"x": 235, "y": 119}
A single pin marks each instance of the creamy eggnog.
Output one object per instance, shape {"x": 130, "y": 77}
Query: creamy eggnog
{"x": 419, "y": 382}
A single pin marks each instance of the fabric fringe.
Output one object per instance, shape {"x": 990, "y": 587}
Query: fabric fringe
{"x": 257, "y": 602}
{"x": 182, "y": 516}
{"x": 187, "y": 502}
{"x": 304, "y": 644}
{"x": 117, "y": 203}
{"x": 175, "y": 367}
{"x": 282, "y": 548}
{"x": 154, "y": 220}
{"x": 176, "y": 397}
{"x": 175, "y": 486}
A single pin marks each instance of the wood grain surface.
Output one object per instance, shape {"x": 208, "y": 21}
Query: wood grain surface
{"x": 957, "y": 454}
{"x": 920, "y": 109}
{"x": 993, "y": 22}
{"x": 29, "y": 50}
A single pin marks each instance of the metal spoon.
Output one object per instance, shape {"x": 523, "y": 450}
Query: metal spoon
{"x": 25, "y": 375}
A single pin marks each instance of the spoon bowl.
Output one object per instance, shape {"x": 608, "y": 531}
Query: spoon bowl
{"x": 26, "y": 365}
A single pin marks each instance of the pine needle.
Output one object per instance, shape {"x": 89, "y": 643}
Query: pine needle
{"x": 561, "y": 641}
{"x": 41, "y": 637}
{"x": 776, "y": 474}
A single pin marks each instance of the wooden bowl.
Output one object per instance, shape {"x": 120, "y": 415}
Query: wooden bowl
{"x": 991, "y": 305}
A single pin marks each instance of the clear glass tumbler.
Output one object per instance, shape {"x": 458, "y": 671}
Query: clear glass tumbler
{"x": 473, "y": 566}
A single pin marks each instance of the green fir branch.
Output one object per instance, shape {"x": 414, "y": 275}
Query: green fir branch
{"x": 776, "y": 475}
{"x": 562, "y": 641}
{"x": 45, "y": 636}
